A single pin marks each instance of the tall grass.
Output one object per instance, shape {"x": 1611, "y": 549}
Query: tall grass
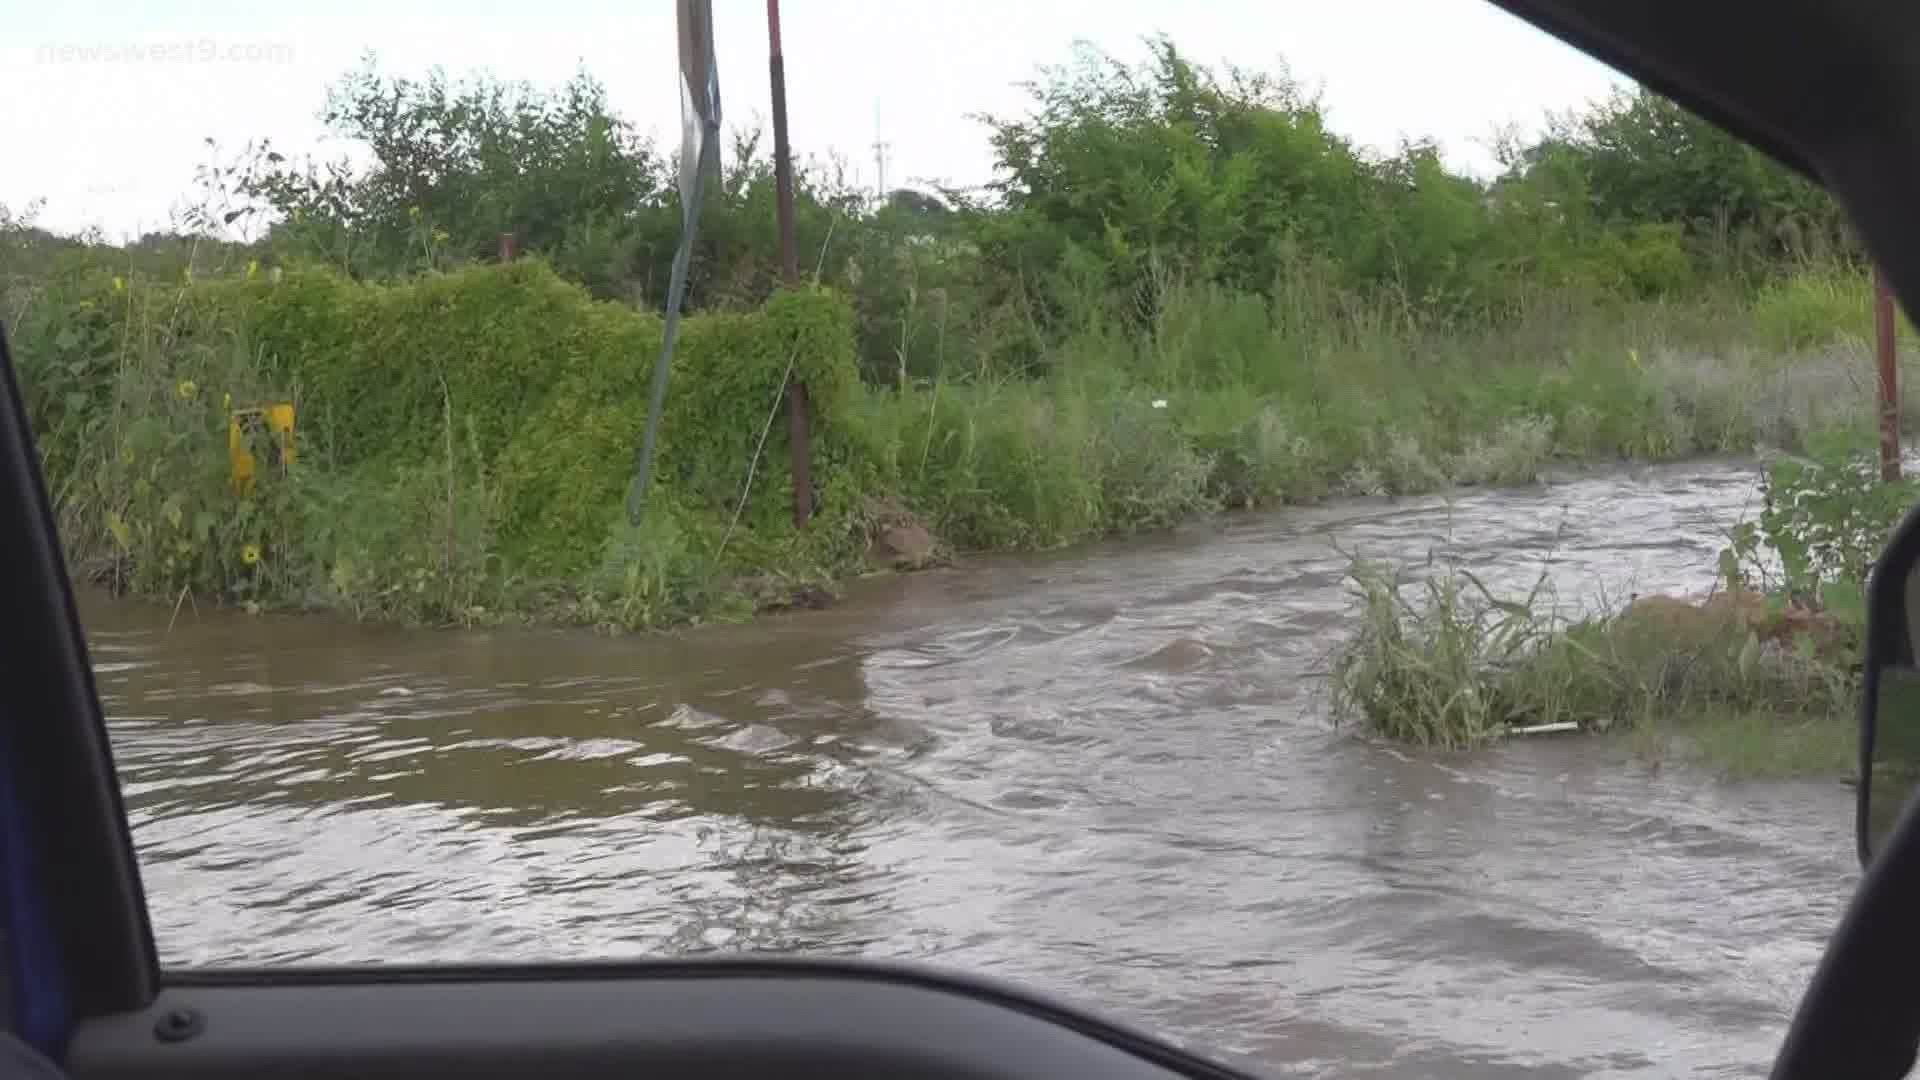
{"x": 1315, "y": 396}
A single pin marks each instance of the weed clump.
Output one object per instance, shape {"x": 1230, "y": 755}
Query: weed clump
{"x": 1441, "y": 661}
{"x": 1770, "y": 658}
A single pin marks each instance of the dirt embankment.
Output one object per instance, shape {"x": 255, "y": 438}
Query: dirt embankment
{"x": 1770, "y": 620}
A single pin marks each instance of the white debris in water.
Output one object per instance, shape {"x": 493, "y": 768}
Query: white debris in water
{"x": 1546, "y": 729}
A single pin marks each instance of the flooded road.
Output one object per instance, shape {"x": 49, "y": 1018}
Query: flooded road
{"x": 1107, "y": 773}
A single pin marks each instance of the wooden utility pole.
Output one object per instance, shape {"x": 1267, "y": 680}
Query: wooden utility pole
{"x": 799, "y": 418}
{"x": 1883, "y": 333}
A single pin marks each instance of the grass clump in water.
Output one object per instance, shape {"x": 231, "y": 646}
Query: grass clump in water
{"x": 1441, "y": 660}
{"x": 1758, "y": 679}
{"x": 1426, "y": 668}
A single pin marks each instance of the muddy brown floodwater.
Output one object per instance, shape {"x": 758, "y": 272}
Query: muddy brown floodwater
{"x": 1107, "y": 773}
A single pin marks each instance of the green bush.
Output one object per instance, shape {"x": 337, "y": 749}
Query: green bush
{"x": 465, "y": 439}
{"x": 1823, "y": 522}
{"x": 567, "y": 471}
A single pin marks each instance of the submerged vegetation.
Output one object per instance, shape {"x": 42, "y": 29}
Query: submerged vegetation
{"x": 1183, "y": 293}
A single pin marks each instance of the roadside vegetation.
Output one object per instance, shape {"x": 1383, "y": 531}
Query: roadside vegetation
{"x": 1182, "y": 294}
{"x": 1759, "y": 677}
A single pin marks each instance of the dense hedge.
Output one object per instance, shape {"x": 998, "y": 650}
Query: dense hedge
{"x": 564, "y": 474}
{"x": 552, "y": 383}
{"x": 479, "y": 424}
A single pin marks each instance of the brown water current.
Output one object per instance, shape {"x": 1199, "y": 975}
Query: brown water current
{"x": 1106, "y": 772}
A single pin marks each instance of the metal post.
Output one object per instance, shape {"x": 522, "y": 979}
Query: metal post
{"x": 799, "y": 420}
{"x": 507, "y": 248}
{"x": 1883, "y": 332}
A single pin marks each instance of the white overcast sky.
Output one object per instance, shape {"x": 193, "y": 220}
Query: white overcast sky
{"x": 111, "y": 140}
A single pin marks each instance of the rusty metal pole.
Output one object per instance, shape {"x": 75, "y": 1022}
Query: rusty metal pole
{"x": 507, "y": 248}
{"x": 1883, "y": 333}
{"x": 799, "y": 418}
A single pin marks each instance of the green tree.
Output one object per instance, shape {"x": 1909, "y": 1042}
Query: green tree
{"x": 1639, "y": 159}
{"x": 1120, "y": 172}
{"x": 453, "y": 166}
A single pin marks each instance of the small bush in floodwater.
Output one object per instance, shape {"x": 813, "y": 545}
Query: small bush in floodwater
{"x": 1444, "y": 662}
{"x": 1824, "y": 520}
{"x": 1423, "y": 668}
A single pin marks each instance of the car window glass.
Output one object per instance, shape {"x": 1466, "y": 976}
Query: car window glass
{"x": 1284, "y": 530}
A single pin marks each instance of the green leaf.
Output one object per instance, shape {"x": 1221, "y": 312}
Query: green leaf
{"x": 123, "y": 536}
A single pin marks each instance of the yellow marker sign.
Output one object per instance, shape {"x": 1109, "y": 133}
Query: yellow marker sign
{"x": 244, "y": 428}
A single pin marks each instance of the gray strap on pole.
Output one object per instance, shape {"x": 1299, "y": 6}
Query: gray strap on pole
{"x": 699, "y": 159}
